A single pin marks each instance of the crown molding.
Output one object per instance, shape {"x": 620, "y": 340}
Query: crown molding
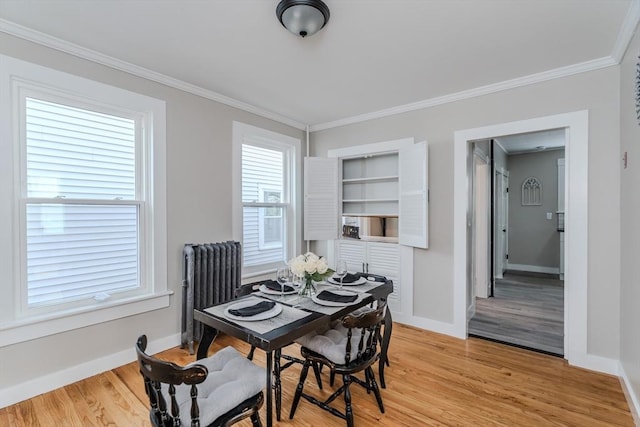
{"x": 569, "y": 70}
{"x": 91, "y": 55}
{"x": 626, "y": 31}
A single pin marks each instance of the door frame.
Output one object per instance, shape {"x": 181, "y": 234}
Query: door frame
{"x": 576, "y": 125}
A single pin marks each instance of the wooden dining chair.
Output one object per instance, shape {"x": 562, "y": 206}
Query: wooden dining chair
{"x": 384, "y": 338}
{"x": 346, "y": 353}
{"x": 219, "y": 390}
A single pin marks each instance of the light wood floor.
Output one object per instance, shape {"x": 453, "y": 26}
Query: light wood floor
{"x": 526, "y": 310}
{"x": 434, "y": 380}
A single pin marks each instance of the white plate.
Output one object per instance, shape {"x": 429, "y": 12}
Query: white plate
{"x": 337, "y": 304}
{"x": 277, "y": 309}
{"x": 336, "y": 281}
{"x": 266, "y": 290}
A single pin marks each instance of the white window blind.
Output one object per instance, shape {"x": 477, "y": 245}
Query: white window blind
{"x": 82, "y": 215}
{"x": 264, "y": 178}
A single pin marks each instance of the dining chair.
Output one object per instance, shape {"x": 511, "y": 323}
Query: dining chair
{"x": 219, "y": 390}
{"x": 346, "y": 352}
{"x": 384, "y": 338}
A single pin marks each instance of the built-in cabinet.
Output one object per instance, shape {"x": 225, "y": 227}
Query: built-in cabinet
{"x": 373, "y": 258}
{"x": 386, "y": 180}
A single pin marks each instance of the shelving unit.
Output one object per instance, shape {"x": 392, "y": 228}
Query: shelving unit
{"x": 370, "y": 185}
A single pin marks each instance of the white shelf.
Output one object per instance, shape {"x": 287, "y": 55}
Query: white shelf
{"x": 369, "y": 200}
{"x": 370, "y": 179}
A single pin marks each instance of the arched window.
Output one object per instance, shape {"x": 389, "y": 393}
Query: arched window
{"x": 531, "y": 192}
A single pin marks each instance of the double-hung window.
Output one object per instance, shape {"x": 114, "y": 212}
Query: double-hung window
{"x": 265, "y": 186}
{"x": 86, "y": 220}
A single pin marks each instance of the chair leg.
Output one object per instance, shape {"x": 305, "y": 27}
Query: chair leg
{"x": 316, "y": 371}
{"x": 332, "y": 377}
{"x": 381, "y": 364}
{"x": 296, "y": 397}
{"x": 348, "y": 412}
{"x": 374, "y": 387}
{"x": 255, "y": 420}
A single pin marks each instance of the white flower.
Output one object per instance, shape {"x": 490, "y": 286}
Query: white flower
{"x": 297, "y": 266}
{"x": 308, "y": 264}
{"x": 322, "y": 266}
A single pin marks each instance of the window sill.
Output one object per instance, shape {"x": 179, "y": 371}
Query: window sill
{"x": 18, "y": 331}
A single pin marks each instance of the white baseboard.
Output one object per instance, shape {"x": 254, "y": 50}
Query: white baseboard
{"x": 19, "y": 392}
{"x": 533, "y": 268}
{"x": 632, "y": 398}
{"x": 428, "y": 324}
{"x": 594, "y": 363}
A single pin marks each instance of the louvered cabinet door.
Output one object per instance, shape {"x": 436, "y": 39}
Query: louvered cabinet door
{"x": 353, "y": 252}
{"x": 321, "y": 211}
{"x": 384, "y": 259}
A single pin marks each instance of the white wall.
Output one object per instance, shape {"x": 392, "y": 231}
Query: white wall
{"x": 629, "y": 228}
{"x": 199, "y": 135}
{"x": 595, "y": 91}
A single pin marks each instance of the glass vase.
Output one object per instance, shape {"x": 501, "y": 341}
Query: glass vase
{"x": 308, "y": 289}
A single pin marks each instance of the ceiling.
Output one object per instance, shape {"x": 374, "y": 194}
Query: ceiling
{"x": 533, "y": 141}
{"x": 374, "y": 57}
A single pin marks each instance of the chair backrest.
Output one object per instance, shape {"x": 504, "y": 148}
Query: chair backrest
{"x": 157, "y": 372}
{"x": 368, "y": 323}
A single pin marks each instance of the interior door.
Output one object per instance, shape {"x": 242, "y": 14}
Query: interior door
{"x": 501, "y": 222}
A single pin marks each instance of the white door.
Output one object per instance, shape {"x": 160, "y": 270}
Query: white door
{"x": 501, "y": 222}
{"x": 481, "y": 228}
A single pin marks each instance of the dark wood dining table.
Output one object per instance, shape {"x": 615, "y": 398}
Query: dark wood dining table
{"x": 316, "y": 317}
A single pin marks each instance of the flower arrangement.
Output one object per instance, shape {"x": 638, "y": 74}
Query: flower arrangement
{"x": 311, "y": 267}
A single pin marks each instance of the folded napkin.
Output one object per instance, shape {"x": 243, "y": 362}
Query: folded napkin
{"x": 349, "y": 278}
{"x": 376, "y": 278}
{"x": 330, "y": 296}
{"x": 275, "y": 286}
{"x": 252, "y": 310}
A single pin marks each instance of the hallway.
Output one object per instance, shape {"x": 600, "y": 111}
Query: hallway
{"x": 527, "y": 311}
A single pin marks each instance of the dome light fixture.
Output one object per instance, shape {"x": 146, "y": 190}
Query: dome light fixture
{"x": 303, "y": 17}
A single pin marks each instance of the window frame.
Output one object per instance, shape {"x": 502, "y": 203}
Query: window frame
{"x": 262, "y": 215}
{"x": 291, "y": 148}
{"x": 17, "y": 79}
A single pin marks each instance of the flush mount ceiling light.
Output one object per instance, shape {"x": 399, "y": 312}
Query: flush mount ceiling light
{"x": 303, "y": 17}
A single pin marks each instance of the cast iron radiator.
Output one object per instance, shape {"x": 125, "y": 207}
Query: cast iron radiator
{"x": 210, "y": 275}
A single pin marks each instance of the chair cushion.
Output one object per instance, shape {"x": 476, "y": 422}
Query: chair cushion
{"x": 332, "y": 343}
{"x": 232, "y": 379}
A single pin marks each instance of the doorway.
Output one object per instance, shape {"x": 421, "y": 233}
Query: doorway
{"x": 576, "y": 127}
{"x": 523, "y": 302}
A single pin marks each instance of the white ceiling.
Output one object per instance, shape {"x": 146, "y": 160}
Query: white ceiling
{"x": 533, "y": 141}
{"x": 373, "y": 58}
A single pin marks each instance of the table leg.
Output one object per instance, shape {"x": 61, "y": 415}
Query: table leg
{"x": 208, "y": 335}
{"x": 384, "y": 346}
{"x": 278, "y": 385}
{"x": 269, "y": 389}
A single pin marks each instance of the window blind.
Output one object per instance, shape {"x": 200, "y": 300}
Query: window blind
{"x": 82, "y": 216}
{"x": 263, "y": 237}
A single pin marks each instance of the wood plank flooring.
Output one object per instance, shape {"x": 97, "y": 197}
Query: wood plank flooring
{"x": 434, "y": 380}
{"x": 526, "y": 310}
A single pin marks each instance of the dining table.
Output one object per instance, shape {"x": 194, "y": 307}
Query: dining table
{"x": 292, "y": 317}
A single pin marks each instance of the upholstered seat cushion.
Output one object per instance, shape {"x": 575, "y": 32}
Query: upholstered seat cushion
{"x": 332, "y": 343}
{"x": 232, "y": 379}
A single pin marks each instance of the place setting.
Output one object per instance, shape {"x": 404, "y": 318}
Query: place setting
{"x": 337, "y": 297}
{"x": 250, "y": 310}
